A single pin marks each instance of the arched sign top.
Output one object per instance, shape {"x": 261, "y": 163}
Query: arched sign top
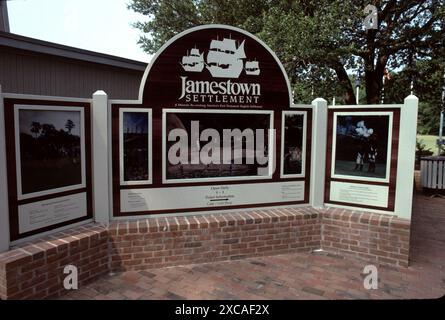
{"x": 215, "y": 66}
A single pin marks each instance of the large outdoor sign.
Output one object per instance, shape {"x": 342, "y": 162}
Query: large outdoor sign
{"x": 213, "y": 129}
{"x": 48, "y": 162}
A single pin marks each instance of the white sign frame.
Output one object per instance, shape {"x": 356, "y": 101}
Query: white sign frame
{"x": 389, "y": 145}
{"x": 17, "y": 108}
{"x": 303, "y": 151}
{"x": 271, "y": 161}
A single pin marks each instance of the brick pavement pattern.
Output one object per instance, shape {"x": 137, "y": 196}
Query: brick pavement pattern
{"x": 317, "y": 275}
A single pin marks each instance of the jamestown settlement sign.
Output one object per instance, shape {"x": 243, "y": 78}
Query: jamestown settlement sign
{"x": 214, "y": 67}
{"x": 222, "y": 83}
{"x": 214, "y": 130}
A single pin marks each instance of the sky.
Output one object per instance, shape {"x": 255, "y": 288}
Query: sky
{"x": 56, "y": 118}
{"x": 135, "y": 122}
{"x": 103, "y": 26}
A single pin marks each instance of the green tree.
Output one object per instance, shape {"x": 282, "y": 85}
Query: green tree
{"x": 427, "y": 77}
{"x": 167, "y": 18}
{"x": 317, "y": 41}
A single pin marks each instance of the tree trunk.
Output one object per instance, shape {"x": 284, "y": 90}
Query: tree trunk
{"x": 372, "y": 83}
{"x": 345, "y": 82}
{"x": 373, "y": 79}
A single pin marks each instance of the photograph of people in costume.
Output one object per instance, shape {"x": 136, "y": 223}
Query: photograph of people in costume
{"x": 361, "y": 146}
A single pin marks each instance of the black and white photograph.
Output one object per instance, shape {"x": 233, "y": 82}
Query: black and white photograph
{"x": 362, "y": 145}
{"x": 50, "y": 149}
{"x": 135, "y": 143}
{"x": 293, "y": 143}
{"x": 239, "y": 165}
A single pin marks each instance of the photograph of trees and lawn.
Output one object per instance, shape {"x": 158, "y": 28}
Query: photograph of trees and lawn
{"x": 135, "y": 146}
{"x": 50, "y": 149}
{"x": 293, "y": 144}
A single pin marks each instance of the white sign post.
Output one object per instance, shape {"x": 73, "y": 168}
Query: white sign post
{"x": 318, "y": 166}
{"x": 406, "y": 157}
{"x": 101, "y": 199}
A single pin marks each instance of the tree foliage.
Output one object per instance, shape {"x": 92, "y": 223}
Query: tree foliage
{"x": 318, "y": 42}
{"x": 427, "y": 77}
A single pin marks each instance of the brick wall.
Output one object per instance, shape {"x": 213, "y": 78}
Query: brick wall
{"x": 35, "y": 269}
{"x": 197, "y": 239}
{"x": 377, "y": 238}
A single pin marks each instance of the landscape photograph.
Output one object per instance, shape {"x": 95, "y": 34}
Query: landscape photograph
{"x": 50, "y": 149}
{"x": 239, "y": 166}
{"x": 135, "y": 146}
{"x": 293, "y": 143}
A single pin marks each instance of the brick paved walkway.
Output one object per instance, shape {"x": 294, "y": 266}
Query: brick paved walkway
{"x": 294, "y": 276}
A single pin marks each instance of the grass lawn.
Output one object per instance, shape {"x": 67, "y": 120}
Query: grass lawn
{"x": 347, "y": 168}
{"x": 50, "y": 174}
{"x": 429, "y": 141}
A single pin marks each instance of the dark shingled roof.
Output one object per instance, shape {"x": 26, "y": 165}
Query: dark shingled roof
{"x": 25, "y": 43}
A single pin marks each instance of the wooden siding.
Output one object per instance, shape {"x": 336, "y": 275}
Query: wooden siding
{"x": 28, "y": 72}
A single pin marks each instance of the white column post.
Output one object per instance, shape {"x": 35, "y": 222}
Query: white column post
{"x": 4, "y": 211}
{"x": 318, "y": 163}
{"x": 406, "y": 157}
{"x": 101, "y": 199}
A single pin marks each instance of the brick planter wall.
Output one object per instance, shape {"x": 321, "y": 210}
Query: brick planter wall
{"x": 373, "y": 237}
{"x": 35, "y": 270}
{"x": 197, "y": 239}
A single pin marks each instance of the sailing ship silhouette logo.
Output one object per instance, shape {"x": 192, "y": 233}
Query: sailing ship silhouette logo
{"x": 252, "y": 68}
{"x": 193, "y": 62}
{"x": 225, "y": 59}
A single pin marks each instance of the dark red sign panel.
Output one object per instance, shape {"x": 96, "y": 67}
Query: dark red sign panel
{"x": 216, "y": 67}
{"x": 213, "y": 78}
